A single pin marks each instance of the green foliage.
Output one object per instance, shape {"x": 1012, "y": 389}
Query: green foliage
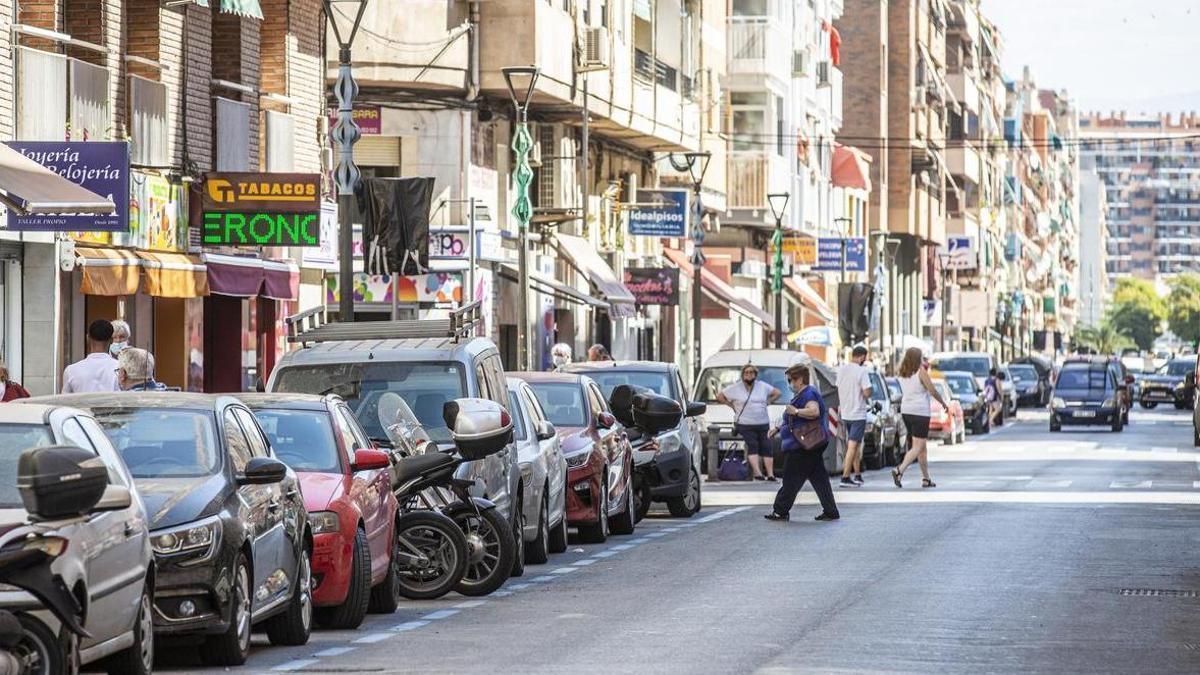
{"x": 1105, "y": 338}
{"x": 1183, "y": 307}
{"x": 1137, "y": 311}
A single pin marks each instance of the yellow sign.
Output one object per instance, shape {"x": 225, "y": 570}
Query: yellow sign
{"x": 802, "y": 249}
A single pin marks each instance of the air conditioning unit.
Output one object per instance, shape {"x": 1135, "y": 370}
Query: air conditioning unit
{"x": 596, "y": 49}
{"x": 823, "y": 74}
{"x": 800, "y": 59}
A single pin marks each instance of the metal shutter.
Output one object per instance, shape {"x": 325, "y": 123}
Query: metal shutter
{"x": 376, "y": 151}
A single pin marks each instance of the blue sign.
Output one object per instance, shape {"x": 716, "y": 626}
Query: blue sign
{"x": 661, "y": 213}
{"x": 100, "y": 166}
{"x": 829, "y": 254}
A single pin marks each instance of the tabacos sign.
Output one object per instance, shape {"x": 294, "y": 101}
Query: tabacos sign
{"x": 261, "y": 209}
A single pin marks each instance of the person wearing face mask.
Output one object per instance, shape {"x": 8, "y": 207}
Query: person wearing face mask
{"x": 120, "y": 339}
{"x": 749, "y": 398}
{"x": 12, "y": 390}
{"x": 560, "y": 355}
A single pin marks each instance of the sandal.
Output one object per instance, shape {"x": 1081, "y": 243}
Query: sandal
{"x": 896, "y": 475}
{"x": 926, "y": 483}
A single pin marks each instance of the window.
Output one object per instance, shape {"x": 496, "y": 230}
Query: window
{"x": 302, "y": 439}
{"x": 779, "y": 144}
{"x": 236, "y": 442}
{"x": 75, "y": 435}
{"x": 495, "y": 374}
{"x": 258, "y": 444}
{"x": 518, "y": 419}
{"x": 148, "y": 130}
{"x": 360, "y": 439}
{"x": 14, "y": 440}
{"x": 563, "y": 403}
{"x": 748, "y": 120}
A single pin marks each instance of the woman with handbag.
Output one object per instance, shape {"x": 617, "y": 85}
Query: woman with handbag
{"x": 750, "y": 400}
{"x": 805, "y": 429}
{"x": 915, "y": 409}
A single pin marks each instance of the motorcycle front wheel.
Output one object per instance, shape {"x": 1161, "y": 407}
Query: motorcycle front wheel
{"x": 430, "y": 556}
{"x": 491, "y": 548}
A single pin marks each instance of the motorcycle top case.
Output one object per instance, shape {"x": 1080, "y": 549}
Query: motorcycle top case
{"x": 654, "y": 413}
{"x": 60, "y": 481}
{"x": 621, "y": 402}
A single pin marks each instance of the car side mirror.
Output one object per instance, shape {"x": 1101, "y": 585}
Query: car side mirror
{"x": 897, "y": 398}
{"x": 545, "y": 430}
{"x": 369, "y": 459}
{"x": 696, "y": 409}
{"x": 115, "y": 498}
{"x": 605, "y": 420}
{"x": 262, "y": 471}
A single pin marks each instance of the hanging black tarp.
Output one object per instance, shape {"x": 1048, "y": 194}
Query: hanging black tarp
{"x": 854, "y": 311}
{"x": 396, "y": 224}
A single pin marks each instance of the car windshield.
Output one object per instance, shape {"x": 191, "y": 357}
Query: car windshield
{"x": 879, "y": 390}
{"x": 425, "y": 386}
{"x": 940, "y": 386}
{"x": 1023, "y": 373}
{"x": 1082, "y": 378}
{"x": 713, "y": 380}
{"x": 518, "y": 414}
{"x": 659, "y": 382}
{"x": 163, "y": 442}
{"x": 1177, "y": 368}
{"x": 975, "y": 365}
{"x": 15, "y": 439}
{"x": 563, "y": 403}
{"x": 960, "y": 385}
{"x": 302, "y": 439}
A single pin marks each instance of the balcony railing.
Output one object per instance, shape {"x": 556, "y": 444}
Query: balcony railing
{"x": 650, "y": 69}
{"x": 758, "y": 46}
{"x": 748, "y": 178}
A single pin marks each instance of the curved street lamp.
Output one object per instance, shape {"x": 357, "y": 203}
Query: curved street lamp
{"x": 522, "y": 143}
{"x": 697, "y": 166}
{"x": 778, "y": 202}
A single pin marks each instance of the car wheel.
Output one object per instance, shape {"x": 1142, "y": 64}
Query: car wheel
{"x": 353, "y": 610}
{"x": 1149, "y": 405}
{"x": 558, "y": 535}
{"x": 538, "y": 550}
{"x": 625, "y": 521}
{"x": 294, "y": 625}
{"x": 138, "y": 659}
{"x": 597, "y": 532}
{"x": 385, "y": 596}
{"x": 518, "y": 527}
{"x": 1116, "y": 423}
{"x": 641, "y": 500}
{"x": 689, "y": 504}
{"x": 232, "y": 647}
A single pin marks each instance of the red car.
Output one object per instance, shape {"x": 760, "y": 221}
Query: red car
{"x": 599, "y": 458}
{"x": 948, "y": 425}
{"x": 347, "y": 491}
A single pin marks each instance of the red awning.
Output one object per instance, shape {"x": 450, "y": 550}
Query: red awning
{"x": 851, "y": 168}
{"x": 234, "y": 275}
{"x": 718, "y": 290}
{"x": 281, "y": 280}
{"x": 809, "y": 298}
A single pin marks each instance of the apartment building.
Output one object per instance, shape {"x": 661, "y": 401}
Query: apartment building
{"x": 157, "y": 96}
{"x": 1150, "y": 168}
{"x": 1093, "y": 244}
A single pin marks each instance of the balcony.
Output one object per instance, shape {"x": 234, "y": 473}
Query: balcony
{"x": 757, "y": 45}
{"x": 751, "y": 176}
{"x": 832, "y": 84}
{"x": 963, "y": 161}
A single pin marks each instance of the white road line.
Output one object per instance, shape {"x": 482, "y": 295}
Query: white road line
{"x": 671, "y": 529}
{"x": 295, "y": 665}
{"x": 372, "y": 638}
{"x": 1162, "y": 448}
{"x": 543, "y": 579}
{"x": 1131, "y": 484}
{"x": 609, "y": 554}
{"x": 519, "y": 587}
{"x": 622, "y": 547}
{"x": 641, "y": 540}
{"x": 1044, "y": 484}
{"x": 500, "y": 594}
{"x": 585, "y": 562}
{"x": 470, "y": 603}
{"x": 409, "y": 625}
{"x": 440, "y": 614}
{"x": 564, "y": 570}
{"x": 1196, "y": 484}
{"x": 657, "y": 534}
{"x": 334, "y": 651}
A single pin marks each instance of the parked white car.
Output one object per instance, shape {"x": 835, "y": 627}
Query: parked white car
{"x": 543, "y": 473}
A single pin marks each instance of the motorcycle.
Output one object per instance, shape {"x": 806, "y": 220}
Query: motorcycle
{"x": 427, "y": 485}
{"x": 646, "y": 416}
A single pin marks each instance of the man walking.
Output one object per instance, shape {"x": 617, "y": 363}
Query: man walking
{"x": 854, "y": 389}
{"x": 135, "y": 371}
{"x": 98, "y": 370}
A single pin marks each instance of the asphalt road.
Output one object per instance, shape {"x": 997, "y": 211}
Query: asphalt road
{"x": 1071, "y": 552}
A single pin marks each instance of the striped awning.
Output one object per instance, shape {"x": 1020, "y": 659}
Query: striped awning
{"x": 248, "y": 8}
{"x": 108, "y": 271}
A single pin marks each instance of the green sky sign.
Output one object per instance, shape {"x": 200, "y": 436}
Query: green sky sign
{"x": 262, "y": 229}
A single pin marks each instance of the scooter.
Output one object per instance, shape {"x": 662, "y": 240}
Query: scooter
{"x": 26, "y": 553}
{"x": 647, "y": 417}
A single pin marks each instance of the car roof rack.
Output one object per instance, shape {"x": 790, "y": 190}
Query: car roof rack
{"x": 313, "y": 326}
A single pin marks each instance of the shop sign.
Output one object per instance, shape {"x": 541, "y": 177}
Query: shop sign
{"x": 962, "y": 253}
{"x": 157, "y": 215}
{"x": 830, "y": 254}
{"x": 100, "y": 166}
{"x": 369, "y": 119}
{"x": 435, "y": 287}
{"x": 324, "y": 255}
{"x": 261, "y": 209}
{"x": 653, "y": 285}
{"x": 802, "y": 249}
{"x": 452, "y": 244}
{"x": 662, "y": 213}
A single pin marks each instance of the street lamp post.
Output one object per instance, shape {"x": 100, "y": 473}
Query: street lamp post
{"x": 345, "y": 133}
{"x": 944, "y": 259}
{"x": 522, "y": 143}
{"x": 697, "y": 166}
{"x": 778, "y": 202}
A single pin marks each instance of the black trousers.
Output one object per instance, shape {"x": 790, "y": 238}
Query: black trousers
{"x": 800, "y": 466}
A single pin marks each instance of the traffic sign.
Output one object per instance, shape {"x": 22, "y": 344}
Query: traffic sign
{"x": 830, "y": 254}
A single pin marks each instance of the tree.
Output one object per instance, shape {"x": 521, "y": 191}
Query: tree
{"x": 1183, "y": 307}
{"x": 1104, "y": 339}
{"x": 1137, "y": 311}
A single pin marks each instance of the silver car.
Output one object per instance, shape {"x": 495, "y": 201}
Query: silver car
{"x": 107, "y": 560}
{"x": 543, "y": 471}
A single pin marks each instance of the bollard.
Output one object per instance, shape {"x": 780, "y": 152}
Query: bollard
{"x": 712, "y": 441}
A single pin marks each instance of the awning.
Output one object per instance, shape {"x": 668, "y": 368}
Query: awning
{"x": 579, "y": 254}
{"x": 234, "y": 275}
{"x": 809, "y": 298}
{"x": 550, "y": 287}
{"x": 718, "y": 290}
{"x": 174, "y": 275}
{"x": 851, "y": 168}
{"x": 28, "y": 187}
{"x": 815, "y": 336}
{"x": 108, "y": 271}
{"x": 281, "y": 280}
{"x": 248, "y": 8}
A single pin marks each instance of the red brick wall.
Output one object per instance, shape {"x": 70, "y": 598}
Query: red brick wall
{"x": 7, "y": 87}
{"x": 197, "y": 122}
{"x": 43, "y": 14}
{"x": 864, "y": 31}
{"x": 84, "y": 20}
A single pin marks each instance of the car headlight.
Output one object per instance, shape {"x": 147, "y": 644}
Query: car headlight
{"x": 192, "y": 537}
{"x": 1057, "y": 402}
{"x": 324, "y": 521}
{"x": 1109, "y": 403}
{"x": 669, "y": 442}
{"x": 578, "y": 459}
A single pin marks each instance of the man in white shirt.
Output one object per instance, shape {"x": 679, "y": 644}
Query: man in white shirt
{"x": 98, "y": 370}
{"x": 854, "y": 389}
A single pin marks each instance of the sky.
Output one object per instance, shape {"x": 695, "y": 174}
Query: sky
{"x": 1137, "y": 55}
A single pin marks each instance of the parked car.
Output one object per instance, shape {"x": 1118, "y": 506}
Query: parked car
{"x": 347, "y": 488}
{"x": 1008, "y": 390}
{"x": 543, "y": 470}
{"x": 1169, "y": 384}
{"x": 432, "y": 365}
{"x": 232, "y": 546}
{"x": 598, "y": 454}
{"x": 894, "y": 390}
{"x": 978, "y": 364}
{"x": 1045, "y": 372}
{"x": 107, "y": 561}
{"x": 969, "y": 394}
{"x": 885, "y": 428}
{"x": 948, "y": 423}
{"x": 1089, "y": 392}
{"x": 674, "y": 472}
{"x": 1030, "y": 388}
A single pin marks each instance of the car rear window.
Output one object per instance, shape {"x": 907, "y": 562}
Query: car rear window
{"x": 1082, "y": 378}
{"x": 659, "y": 382}
{"x": 15, "y": 439}
{"x": 975, "y": 365}
{"x": 714, "y": 380}
{"x": 302, "y": 439}
{"x": 562, "y": 402}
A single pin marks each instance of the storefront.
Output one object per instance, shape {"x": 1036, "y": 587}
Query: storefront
{"x": 609, "y": 326}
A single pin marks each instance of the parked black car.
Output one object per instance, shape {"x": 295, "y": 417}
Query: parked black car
{"x": 966, "y": 390}
{"x": 1169, "y": 384}
{"x": 1045, "y": 373}
{"x": 228, "y": 528}
{"x": 1088, "y": 392}
{"x": 1032, "y": 390}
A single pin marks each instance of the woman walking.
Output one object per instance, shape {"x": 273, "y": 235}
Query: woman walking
{"x": 803, "y": 462}
{"x": 749, "y": 399}
{"x": 915, "y": 406}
